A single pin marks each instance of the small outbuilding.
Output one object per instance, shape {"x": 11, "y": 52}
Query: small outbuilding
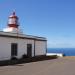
{"x": 13, "y": 43}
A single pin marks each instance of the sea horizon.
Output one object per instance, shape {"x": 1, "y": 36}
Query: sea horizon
{"x": 65, "y": 51}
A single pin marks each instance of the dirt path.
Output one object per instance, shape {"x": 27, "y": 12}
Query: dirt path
{"x": 60, "y": 66}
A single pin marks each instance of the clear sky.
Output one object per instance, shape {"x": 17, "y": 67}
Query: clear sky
{"x": 53, "y": 19}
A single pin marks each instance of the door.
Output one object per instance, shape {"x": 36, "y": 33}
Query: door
{"x": 29, "y": 50}
{"x": 14, "y": 49}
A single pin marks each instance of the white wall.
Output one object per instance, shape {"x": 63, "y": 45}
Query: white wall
{"x": 5, "y": 47}
{"x": 22, "y": 46}
{"x": 40, "y": 47}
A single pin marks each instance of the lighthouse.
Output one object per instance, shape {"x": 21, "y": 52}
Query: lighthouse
{"x": 13, "y": 24}
{"x": 15, "y": 44}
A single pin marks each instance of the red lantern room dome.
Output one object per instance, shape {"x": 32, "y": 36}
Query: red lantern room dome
{"x": 13, "y": 20}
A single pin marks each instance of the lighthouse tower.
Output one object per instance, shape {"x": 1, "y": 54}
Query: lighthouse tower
{"x": 13, "y": 24}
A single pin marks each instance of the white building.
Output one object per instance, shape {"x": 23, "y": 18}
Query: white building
{"x": 13, "y": 43}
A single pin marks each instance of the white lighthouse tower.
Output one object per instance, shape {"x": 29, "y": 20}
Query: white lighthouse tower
{"x": 13, "y": 24}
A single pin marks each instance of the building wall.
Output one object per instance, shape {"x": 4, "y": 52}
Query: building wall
{"x": 40, "y": 47}
{"x": 22, "y": 46}
{"x": 5, "y": 47}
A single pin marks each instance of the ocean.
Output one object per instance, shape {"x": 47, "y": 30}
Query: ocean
{"x": 65, "y": 51}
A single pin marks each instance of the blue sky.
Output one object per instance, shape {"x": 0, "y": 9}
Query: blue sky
{"x": 53, "y": 19}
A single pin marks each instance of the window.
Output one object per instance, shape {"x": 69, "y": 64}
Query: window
{"x": 14, "y": 49}
{"x": 29, "y": 50}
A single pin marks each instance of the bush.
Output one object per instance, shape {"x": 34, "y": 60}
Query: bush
{"x": 14, "y": 58}
{"x": 24, "y": 56}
